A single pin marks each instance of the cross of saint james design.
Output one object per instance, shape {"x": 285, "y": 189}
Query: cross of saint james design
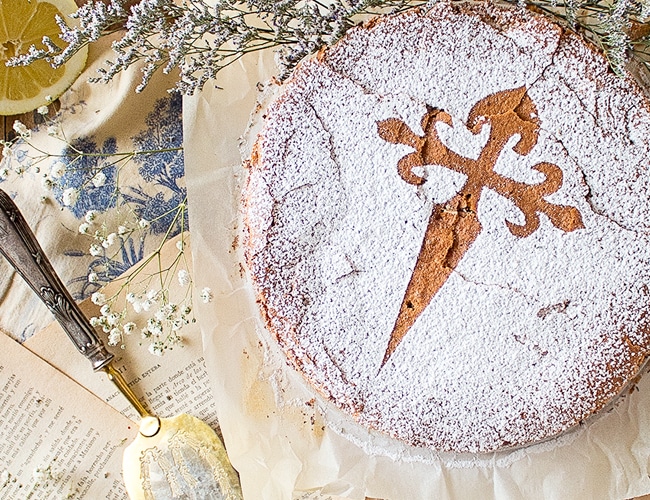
{"x": 454, "y": 225}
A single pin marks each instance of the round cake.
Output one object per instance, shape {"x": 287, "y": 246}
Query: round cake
{"x": 447, "y": 227}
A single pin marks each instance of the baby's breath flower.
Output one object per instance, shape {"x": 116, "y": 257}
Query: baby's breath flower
{"x": 206, "y": 295}
{"x": 98, "y": 298}
{"x": 52, "y": 130}
{"x": 156, "y": 348}
{"x": 21, "y": 129}
{"x": 99, "y": 179}
{"x": 112, "y": 318}
{"x": 47, "y": 183}
{"x": 184, "y": 277}
{"x": 91, "y": 215}
{"x": 93, "y": 277}
{"x": 7, "y": 152}
{"x": 42, "y": 110}
{"x": 95, "y": 250}
{"x": 70, "y": 197}
{"x": 122, "y": 230}
{"x": 129, "y": 328}
{"x": 57, "y": 169}
{"x": 109, "y": 240}
{"x": 154, "y": 327}
{"x": 114, "y": 337}
{"x": 44, "y": 476}
{"x": 144, "y": 223}
{"x": 84, "y": 228}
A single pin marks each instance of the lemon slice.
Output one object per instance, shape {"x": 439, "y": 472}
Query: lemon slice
{"x": 24, "y": 23}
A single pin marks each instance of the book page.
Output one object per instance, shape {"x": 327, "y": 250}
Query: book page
{"x": 174, "y": 383}
{"x": 57, "y": 440}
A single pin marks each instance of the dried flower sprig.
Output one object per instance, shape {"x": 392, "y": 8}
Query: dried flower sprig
{"x": 140, "y": 288}
{"x": 201, "y": 38}
{"x": 142, "y": 291}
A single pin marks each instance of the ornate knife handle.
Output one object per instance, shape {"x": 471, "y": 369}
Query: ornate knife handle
{"x": 20, "y": 247}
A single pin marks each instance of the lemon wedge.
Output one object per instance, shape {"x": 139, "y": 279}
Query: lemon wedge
{"x": 24, "y": 23}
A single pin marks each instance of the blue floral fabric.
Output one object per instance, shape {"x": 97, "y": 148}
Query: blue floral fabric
{"x": 151, "y": 187}
{"x": 161, "y": 167}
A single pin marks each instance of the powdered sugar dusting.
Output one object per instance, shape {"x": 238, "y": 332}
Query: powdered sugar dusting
{"x": 528, "y": 336}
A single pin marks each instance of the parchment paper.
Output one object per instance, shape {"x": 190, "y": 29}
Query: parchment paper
{"x": 285, "y": 441}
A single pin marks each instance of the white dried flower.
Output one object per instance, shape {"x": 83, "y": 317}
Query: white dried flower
{"x": 93, "y": 277}
{"x": 99, "y": 179}
{"x": 129, "y": 328}
{"x": 47, "y": 183}
{"x": 112, "y": 319}
{"x": 109, "y": 240}
{"x": 122, "y": 230}
{"x": 52, "y": 130}
{"x": 70, "y": 197}
{"x": 57, "y": 170}
{"x": 91, "y": 215}
{"x": 21, "y": 129}
{"x": 144, "y": 223}
{"x": 7, "y": 152}
{"x": 206, "y": 295}
{"x": 98, "y": 298}
{"x": 184, "y": 277}
{"x": 95, "y": 250}
{"x": 42, "y": 110}
{"x": 114, "y": 336}
{"x": 155, "y": 327}
{"x": 84, "y": 228}
{"x": 156, "y": 349}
